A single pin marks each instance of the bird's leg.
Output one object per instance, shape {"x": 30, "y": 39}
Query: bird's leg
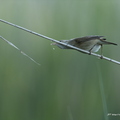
{"x": 91, "y": 50}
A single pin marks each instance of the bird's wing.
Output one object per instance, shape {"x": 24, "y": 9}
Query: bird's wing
{"x": 87, "y": 38}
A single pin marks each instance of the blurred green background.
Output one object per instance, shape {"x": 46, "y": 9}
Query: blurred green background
{"x": 68, "y": 85}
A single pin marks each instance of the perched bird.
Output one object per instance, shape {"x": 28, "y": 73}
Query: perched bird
{"x": 88, "y": 43}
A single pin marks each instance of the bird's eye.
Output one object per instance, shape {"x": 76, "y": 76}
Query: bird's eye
{"x": 104, "y": 38}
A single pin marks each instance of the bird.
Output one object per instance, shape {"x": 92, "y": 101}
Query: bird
{"x": 89, "y": 43}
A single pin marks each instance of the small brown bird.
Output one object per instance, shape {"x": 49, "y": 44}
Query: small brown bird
{"x": 88, "y": 43}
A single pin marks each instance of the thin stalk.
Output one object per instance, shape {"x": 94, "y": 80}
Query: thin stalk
{"x": 51, "y": 39}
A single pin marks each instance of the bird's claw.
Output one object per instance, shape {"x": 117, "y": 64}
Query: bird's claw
{"x": 101, "y": 57}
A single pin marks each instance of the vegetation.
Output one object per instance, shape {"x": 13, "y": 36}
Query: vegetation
{"x": 68, "y": 85}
